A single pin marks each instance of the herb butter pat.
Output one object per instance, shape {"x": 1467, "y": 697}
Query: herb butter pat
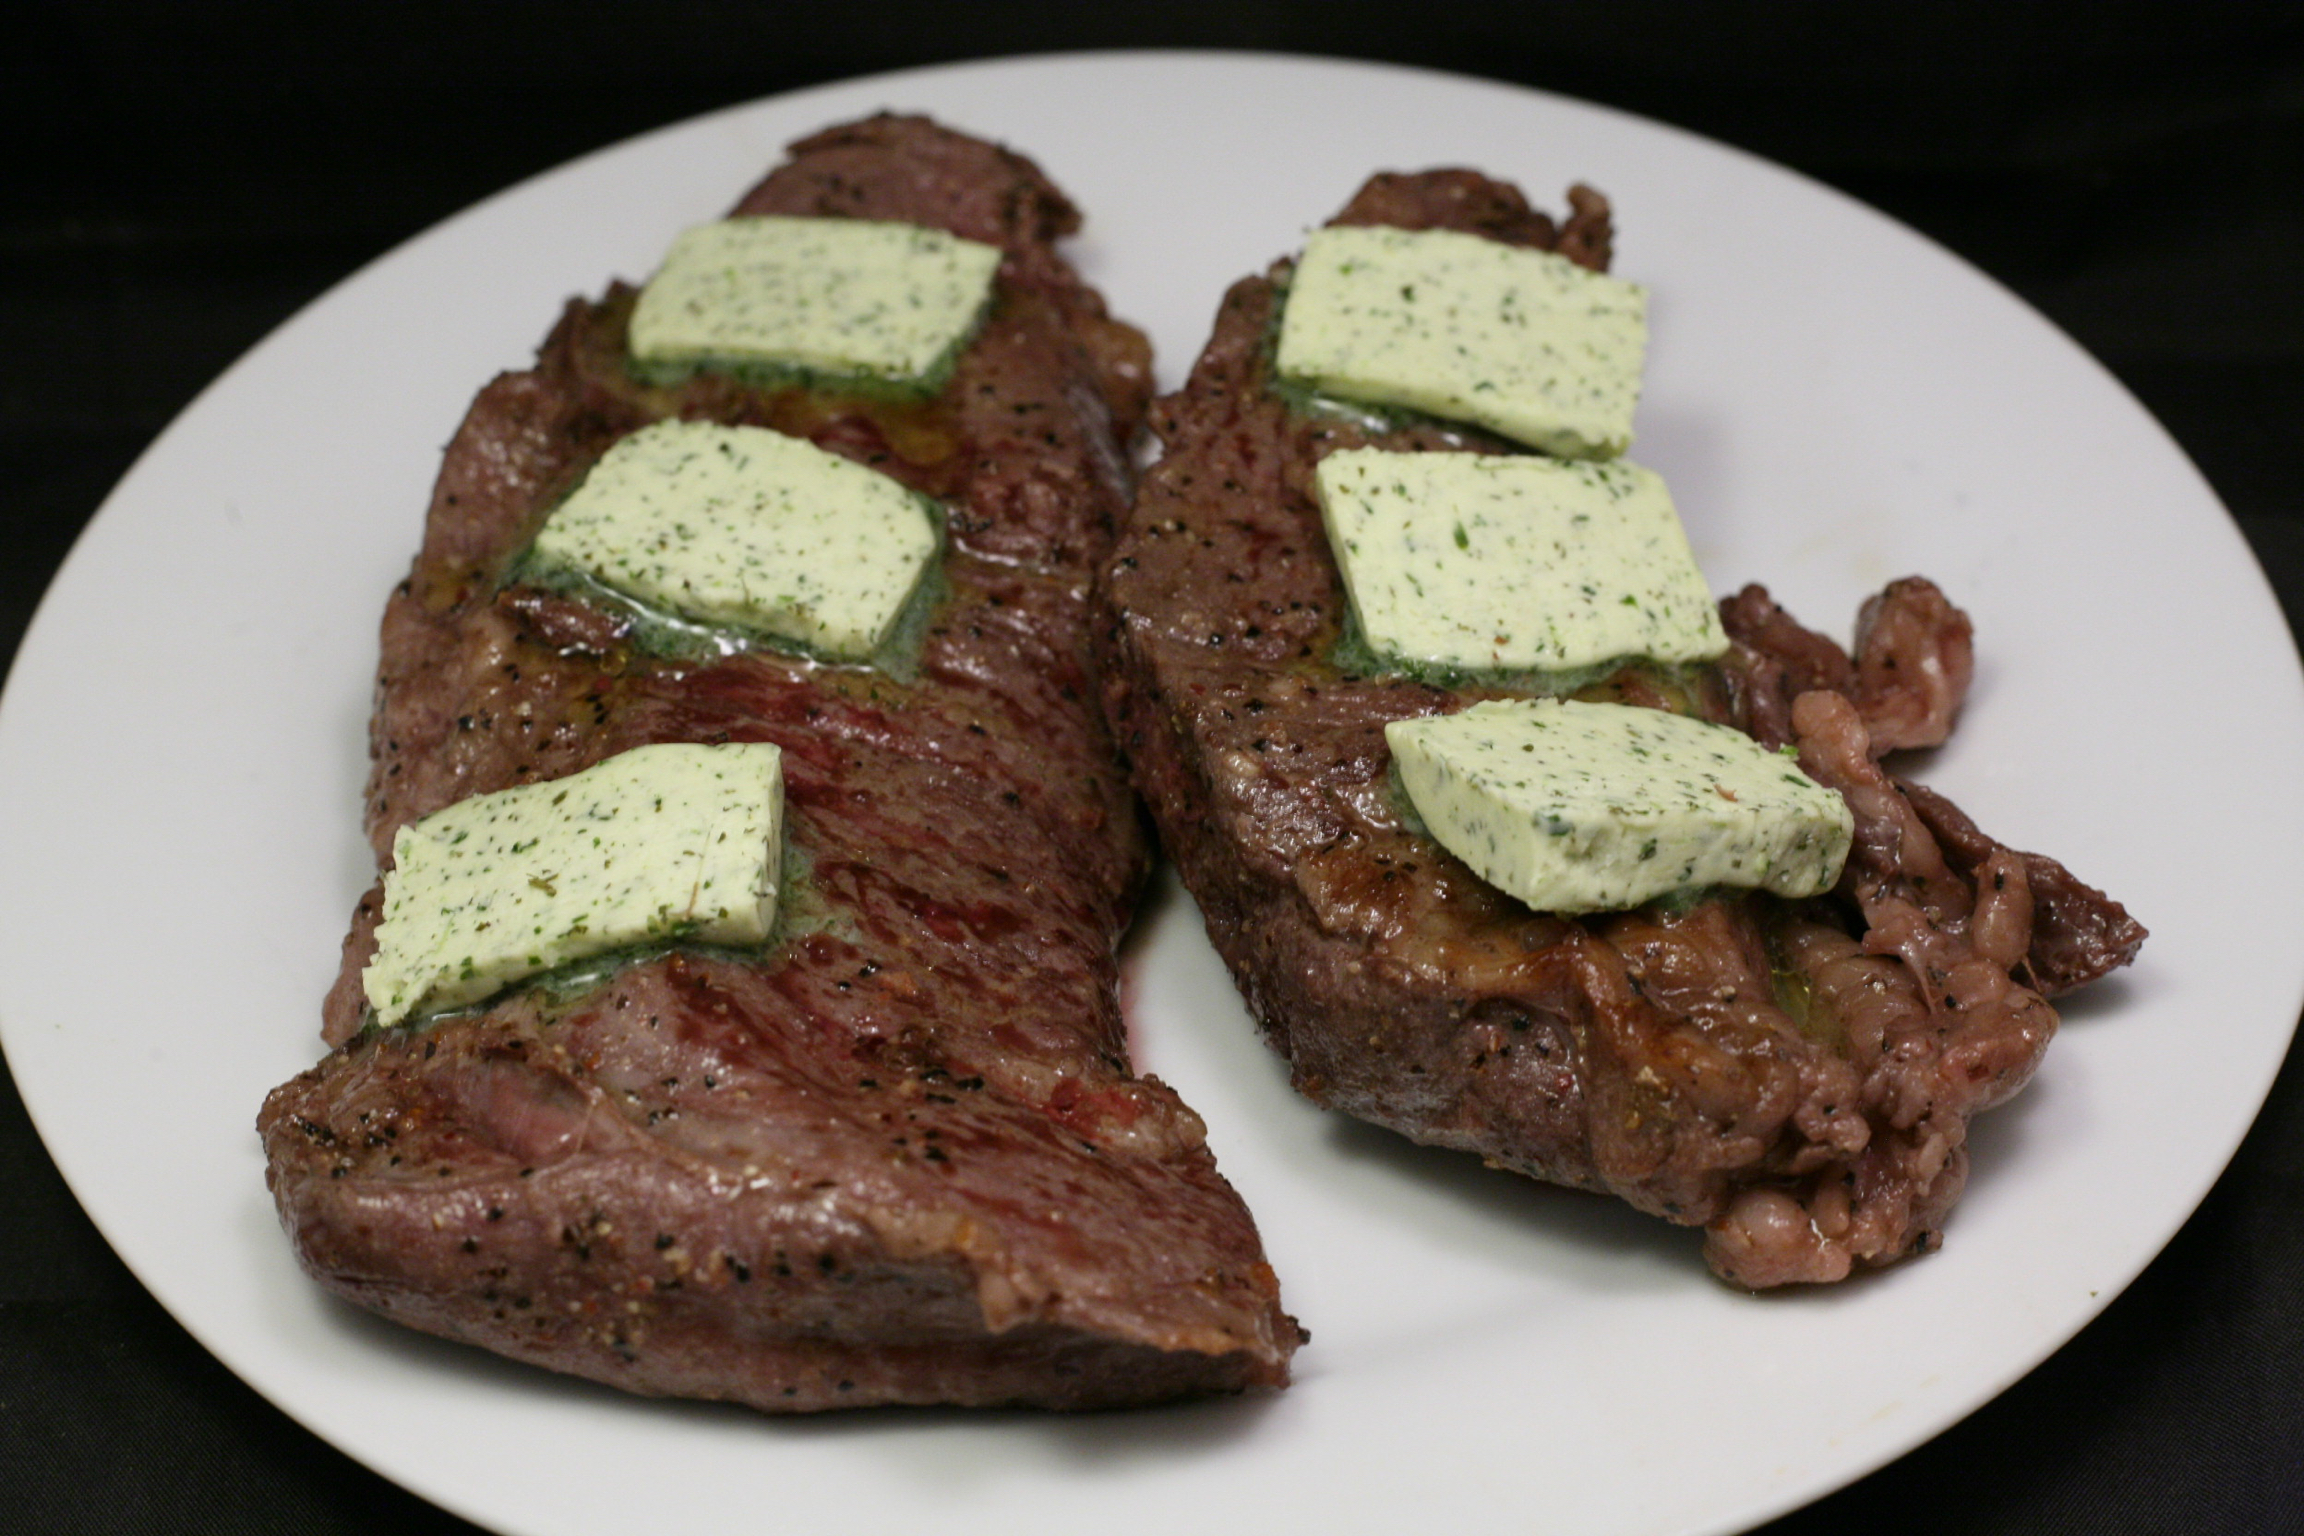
{"x": 1577, "y": 807}
{"x": 1519, "y": 563}
{"x": 842, "y": 299}
{"x": 747, "y": 528}
{"x": 673, "y": 841}
{"x": 1523, "y": 342}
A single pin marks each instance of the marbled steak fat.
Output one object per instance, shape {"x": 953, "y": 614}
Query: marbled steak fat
{"x": 900, "y": 1157}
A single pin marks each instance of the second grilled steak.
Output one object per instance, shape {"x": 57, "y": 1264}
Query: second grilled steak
{"x": 1796, "y": 1077}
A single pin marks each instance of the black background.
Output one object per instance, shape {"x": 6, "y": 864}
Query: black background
{"x": 179, "y": 179}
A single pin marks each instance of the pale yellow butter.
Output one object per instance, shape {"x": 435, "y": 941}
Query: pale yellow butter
{"x": 748, "y": 528}
{"x": 1514, "y": 563}
{"x": 1523, "y": 342}
{"x": 673, "y": 841}
{"x": 834, "y": 297}
{"x": 1577, "y": 807}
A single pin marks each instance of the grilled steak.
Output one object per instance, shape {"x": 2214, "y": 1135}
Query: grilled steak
{"x": 900, "y": 1157}
{"x": 1796, "y": 1077}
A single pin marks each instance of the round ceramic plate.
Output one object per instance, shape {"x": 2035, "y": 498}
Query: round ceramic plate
{"x": 1835, "y": 402}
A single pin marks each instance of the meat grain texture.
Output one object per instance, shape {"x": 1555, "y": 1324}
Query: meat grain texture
{"x": 900, "y": 1157}
{"x": 1794, "y": 1077}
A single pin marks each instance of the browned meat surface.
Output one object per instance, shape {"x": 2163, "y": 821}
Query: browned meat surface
{"x": 1474, "y": 204}
{"x": 2079, "y": 934}
{"x": 1797, "y": 1078}
{"x": 900, "y": 1158}
{"x": 1772, "y": 659}
{"x": 1915, "y": 656}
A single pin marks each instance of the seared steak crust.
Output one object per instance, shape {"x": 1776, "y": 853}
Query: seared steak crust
{"x": 1796, "y": 1077}
{"x": 901, "y": 1158}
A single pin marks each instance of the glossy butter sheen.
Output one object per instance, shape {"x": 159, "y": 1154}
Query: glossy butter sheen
{"x": 1514, "y": 563}
{"x": 841, "y": 297}
{"x": 1576, "y": 807}
{"x": 674, "y": 840}
{"x": 751, "y": 529}
{"x": 1523, "y": 342}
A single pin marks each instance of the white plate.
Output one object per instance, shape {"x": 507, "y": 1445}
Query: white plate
{"x": 1835, "y": 401}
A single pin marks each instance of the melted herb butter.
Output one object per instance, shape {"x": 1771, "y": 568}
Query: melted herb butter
{"x": 1575, "y": 807}
{"x": 659, "y": 633}
{"x": 851, "y": 302}
{"x": 1680, "y": 683}
{"x": 723, "y": 536}
{"x": 1375, "y": 420}
{"x": 801, "y": 909}
{"x": 1523, "y": 342}
{"x": 674, "y": 841}
{"x": 1492, "y": 563}
{"x": 1810, "y": 1014}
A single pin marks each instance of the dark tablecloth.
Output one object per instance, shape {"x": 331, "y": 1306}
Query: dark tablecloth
{"x": 181, "y": 179}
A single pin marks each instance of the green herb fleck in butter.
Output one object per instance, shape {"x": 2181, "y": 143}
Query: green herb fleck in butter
{"x": 748, "y": 528}
{"x": 1577, "y": 807}
{"x": 661, "y": 842}
{"x": 1523, "y": 342}
{"x": 841, "y": 298}
{"x": 1519, "y": 563}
